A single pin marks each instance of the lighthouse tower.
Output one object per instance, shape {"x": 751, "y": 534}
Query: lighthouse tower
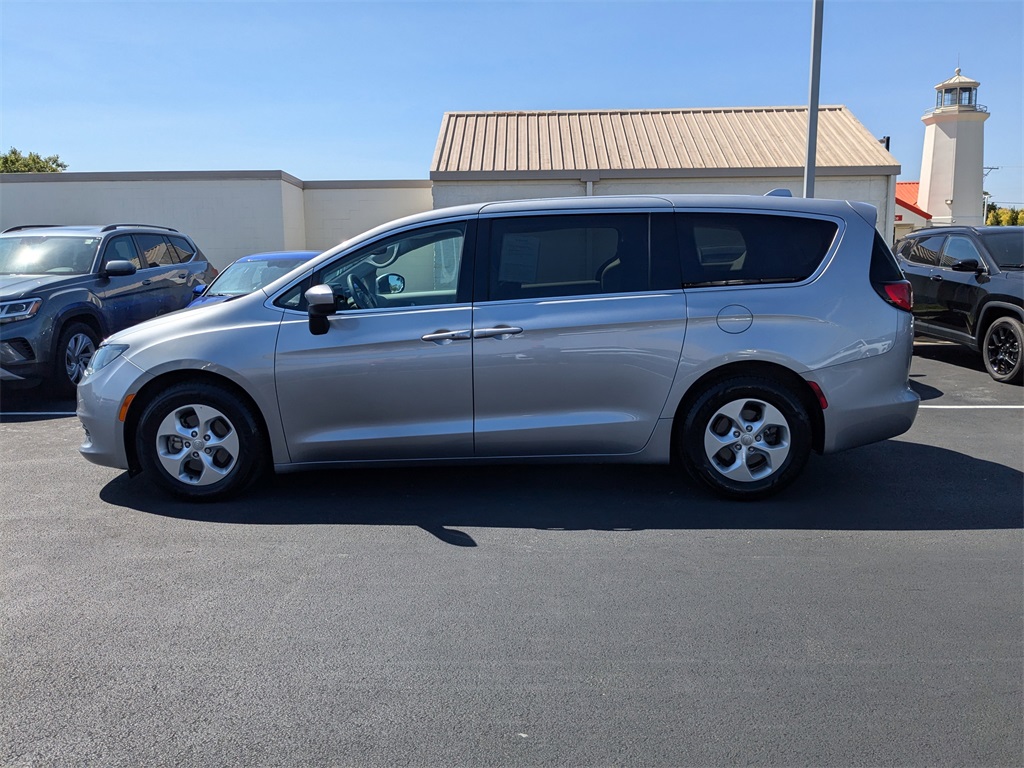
{"x": 951, "y": 166}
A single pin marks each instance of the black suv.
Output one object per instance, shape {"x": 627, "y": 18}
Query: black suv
{"x": 969, "y": 287}
{"x": 64, "y": 288}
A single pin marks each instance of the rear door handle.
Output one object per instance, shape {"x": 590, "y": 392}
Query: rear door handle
{"x": 446, "y": 337}
{"x": 936, "y": 278}
{"x": 500, "y": 332}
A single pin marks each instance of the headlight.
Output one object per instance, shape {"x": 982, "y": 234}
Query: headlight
{"x": 22, "y": 309}
{"x": 104, "y": 356}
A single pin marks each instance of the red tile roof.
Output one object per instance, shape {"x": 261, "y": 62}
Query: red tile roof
{"x": 906, "y": 195}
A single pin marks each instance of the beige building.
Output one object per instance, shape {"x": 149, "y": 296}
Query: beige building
{"x": 479, "y": 156}
{"x": 747, "y": 150}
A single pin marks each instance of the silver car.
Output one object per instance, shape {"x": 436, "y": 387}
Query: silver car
{"x": 732, "y": 335}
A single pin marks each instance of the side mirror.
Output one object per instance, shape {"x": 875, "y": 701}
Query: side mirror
{"x": 198, "y": 290}
{"x": 118, "y": 268}
{"x": 320, "y": 304}
{"x": 966, "y": 265}
{"x": 390, "y": 283}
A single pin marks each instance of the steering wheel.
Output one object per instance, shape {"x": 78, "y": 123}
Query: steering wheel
{"x": 361, "y": 295}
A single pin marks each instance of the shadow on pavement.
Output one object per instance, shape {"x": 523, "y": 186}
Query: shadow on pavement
{"x": 894, "y": 485}
{"x": 32, "y": 404}
{"x": 951, "y": 353}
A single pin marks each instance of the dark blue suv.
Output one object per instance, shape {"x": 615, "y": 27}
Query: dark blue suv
{"x": 65, "y": 288}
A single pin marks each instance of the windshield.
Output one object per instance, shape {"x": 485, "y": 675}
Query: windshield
{"x": 46, "y": 255}
{"x": 1007, "y": 248}
{"x": 246, "y": 276}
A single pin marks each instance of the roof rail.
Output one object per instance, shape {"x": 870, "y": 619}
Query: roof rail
{"x": 111, "y": 227}
{"x": 779, "y": 192}
{"x": 28, "y": 226}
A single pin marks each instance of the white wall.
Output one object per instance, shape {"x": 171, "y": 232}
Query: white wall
{"x": 228, "y": 214}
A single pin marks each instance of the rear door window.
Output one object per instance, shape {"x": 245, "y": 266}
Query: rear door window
{"x": 749, "y": 248}
{"x": 926, "y": 250}
{"x": 181, "y": 251}
{"x": 155, "y": 250}
{"x": 568, "y": 255}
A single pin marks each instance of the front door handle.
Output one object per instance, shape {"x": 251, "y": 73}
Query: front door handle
{"x": 147, "y": 282}
{"x": 446, "y": 337}
{"x": 500, "y": 332}
{"x": 936, "y": 278}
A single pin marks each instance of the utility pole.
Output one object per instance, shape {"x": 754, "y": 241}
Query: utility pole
{"x": 812, "y": 108}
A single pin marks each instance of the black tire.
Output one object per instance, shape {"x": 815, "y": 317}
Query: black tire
{"x": 745, "y": 438}
{"x": 75, "y": 347}
{"x": 199, "y": 442}
{"x": 1001, "y": 350}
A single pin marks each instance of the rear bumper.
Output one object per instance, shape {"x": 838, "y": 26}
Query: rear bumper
{"x": 870, "y": 399}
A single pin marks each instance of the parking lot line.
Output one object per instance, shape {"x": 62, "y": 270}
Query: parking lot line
{"x": 37, "y": 413}
{"x": 976, "y": 407}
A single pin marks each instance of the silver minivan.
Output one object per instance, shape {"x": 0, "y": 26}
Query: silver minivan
{"x": 731, "y": 335}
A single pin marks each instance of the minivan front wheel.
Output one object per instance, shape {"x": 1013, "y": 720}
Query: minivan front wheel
{"x": 1001, "y": 349}
{"x": 746, "y": 437}
{"x": 199, "y": 442}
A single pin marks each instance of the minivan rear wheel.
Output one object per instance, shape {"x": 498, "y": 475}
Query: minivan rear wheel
{"x": 199, "y": 442}
{"x": 745, "y": 437}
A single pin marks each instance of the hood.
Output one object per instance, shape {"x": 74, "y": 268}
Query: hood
{"x": 201, "y": 301}
{"x": 21, "y": 286}
{"x": 192, "y": 320}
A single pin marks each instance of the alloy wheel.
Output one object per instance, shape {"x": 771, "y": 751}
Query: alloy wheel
{"x": 197, "y": 444}
{"x": 77, "y": 354}
{"x": 747, "y": 440}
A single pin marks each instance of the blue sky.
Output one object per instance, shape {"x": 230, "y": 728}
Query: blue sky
{"x": 356, "y": 90}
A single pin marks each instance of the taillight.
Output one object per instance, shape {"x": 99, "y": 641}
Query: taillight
{"x": 900, "y": 294}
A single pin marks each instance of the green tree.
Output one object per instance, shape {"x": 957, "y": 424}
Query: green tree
{"x": 993, "y": 216}
{"x": 15, "y": 162}
{"x": 1007, "y": 217}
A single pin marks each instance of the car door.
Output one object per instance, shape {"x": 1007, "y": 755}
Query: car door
{"x": 119, "y": 293}
{"x": 392, "y": 377}
{"x": 921, "y": 267}
{"x": 574, "y": 351}
{"x": 163, "y": 285}
{"x": 958, "y": 291}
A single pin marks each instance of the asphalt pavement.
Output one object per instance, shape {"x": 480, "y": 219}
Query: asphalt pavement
{"x": 872, "y": 614}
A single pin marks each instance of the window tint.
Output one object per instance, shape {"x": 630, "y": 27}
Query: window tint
{"x": 884, "y": 268}
{"x": 542, "y": 256}
{"x": 417, "y": 268}
{"x": 155, "y": 250}
{"x": 926, "y": 250}
{"x": 181, "y": 251}
{"x": 959, "y": 249}
{"x": 123, "y": 249}
{"x": 736, "y": 248}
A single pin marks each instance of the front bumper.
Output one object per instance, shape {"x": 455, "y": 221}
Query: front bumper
{"x": 100, "y": 398}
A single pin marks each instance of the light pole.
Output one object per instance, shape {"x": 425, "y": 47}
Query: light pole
{"x": 812, "y": 109}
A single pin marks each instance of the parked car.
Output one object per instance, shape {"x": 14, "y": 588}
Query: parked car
{"x": 63, "y": 288}
{"x": 249, "y": 273}
{"x": 735, "y": 334}
{"x": 969, "y": 288}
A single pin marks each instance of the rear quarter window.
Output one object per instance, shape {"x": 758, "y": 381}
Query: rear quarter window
{"x": 749, "y": 248}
